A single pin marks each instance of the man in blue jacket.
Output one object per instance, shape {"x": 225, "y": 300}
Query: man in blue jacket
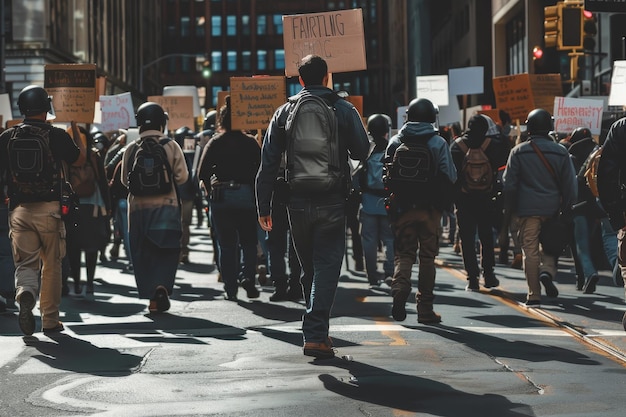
{"x": 317, "y": 220}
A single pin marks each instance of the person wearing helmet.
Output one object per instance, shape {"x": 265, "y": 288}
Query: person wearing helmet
{"x": 154, "y": 219}
{"x": 419, "y": 196}
{"x": 35, "y": 209}
{"x": 375, "y": 225}
{"x": 538, "y": 183}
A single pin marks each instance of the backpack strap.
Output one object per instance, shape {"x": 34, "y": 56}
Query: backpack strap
{"x": 461, "y": 144}
{"x": 485, "y": 144}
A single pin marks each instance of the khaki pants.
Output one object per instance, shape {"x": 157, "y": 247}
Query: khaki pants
{"x": 38, "y": 241}
{"x": 534, "y": 260}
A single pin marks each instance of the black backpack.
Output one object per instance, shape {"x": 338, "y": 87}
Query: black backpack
{"x": 150, "y": 172}
{"x": 33, "y": 167}
{"x": 313, "y": 156}
{"x": 411, "y": 173}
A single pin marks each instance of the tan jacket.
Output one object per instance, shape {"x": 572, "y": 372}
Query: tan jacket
{"x": 176, "y": 159}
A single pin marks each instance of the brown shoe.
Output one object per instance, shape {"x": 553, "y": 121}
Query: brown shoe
{"x": 428, "y": 317}
{"x": 517, "y": 261}
{"x": 322, "y": 350}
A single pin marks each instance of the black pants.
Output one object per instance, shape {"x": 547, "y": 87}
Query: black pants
{"x": 476, "y": 213}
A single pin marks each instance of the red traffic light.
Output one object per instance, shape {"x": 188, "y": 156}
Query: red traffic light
{"x": 537, "y": 52}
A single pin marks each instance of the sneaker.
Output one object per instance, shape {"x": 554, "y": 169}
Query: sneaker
{"x": 251, "y": 289}
{"x": 398, "y": 310}
{"x": 428, "y": 317}
{"x": 230, "y": 297}
{"x": 456, "y": 248}
{"x": 261, "y": 271}
{"x": 375, "y": 284}
{"x": 160, "y": 302}
{"x": 129, "y": 269}
{"x": 295, "y": 293}
{"x": 114, "y": 253}
{"x": 280, "y": 294}
{"x": 590, "y": 284}
{"x": 546, "y": 280}
{"x": 26, "y": 319}
{"x": 491, "y": 281}
{"x": 472, "y": 284}
{"x": 517, "y": 261}
{"x": 56, "y": 329}
{"x": 533, "y": 303}
{"x": 322, "y": 350}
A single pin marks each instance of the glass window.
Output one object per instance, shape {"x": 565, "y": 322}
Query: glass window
{"x": 216, "y": 61}
{"x": 245, "y": 24}
{"x": 214, "y": 91}
{"x": 278, "y": 24}
{"x": 261, "y": 57}
{"x": 246, "y": 61}
{"x": 186, "y": 66}
{"x": 231, "y": 25}
{"x": 516, "y": 45}
{"x": 184, "y": 26}
{"x": 216, "y": 25}
{"x": 279, "y": 59}
{"x": 231, "y": 59}
{"x": 200, "y": 26}
{"x": 261, "y": 25}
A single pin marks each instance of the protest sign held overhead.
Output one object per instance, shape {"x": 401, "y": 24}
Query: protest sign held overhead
{"x": 179, "y": 110}
{"x": 571, "y": 113}
{"x": 337, "y": 37}
{"x": 117, "y": 112}
{"x": 73, "y": 91}
{"x": 254, "y": 99}
{"x": 519, "y": 94}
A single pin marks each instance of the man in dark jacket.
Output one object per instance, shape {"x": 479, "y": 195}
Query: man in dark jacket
{"x": 317, "y": 221}
{"x": 535, "y": 193}
{"x": 475, "y": 209}
{"x": 415, "y": 214}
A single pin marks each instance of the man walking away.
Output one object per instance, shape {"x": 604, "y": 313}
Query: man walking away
{"x": 318, "y": 191}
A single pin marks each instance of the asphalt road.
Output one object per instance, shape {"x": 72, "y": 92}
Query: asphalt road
{"x": 490, "y": 356}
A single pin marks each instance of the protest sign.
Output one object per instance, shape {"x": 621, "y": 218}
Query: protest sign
{"x": 73, "y": 91}
{"x": 337, "y": 36}
{"x": 434, "y": 88}
{"x": 253, "y": 101}
{"x": 468, "y": 80}
{"x": 521, "y": 93}
{"x": 617, "y": 96}
{"x": 117, "y": 112}
{"x": 179, "y": 110}
{"x": 571, "y": 113}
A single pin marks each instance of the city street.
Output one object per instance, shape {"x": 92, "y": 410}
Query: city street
{"x": 491, "y": 356}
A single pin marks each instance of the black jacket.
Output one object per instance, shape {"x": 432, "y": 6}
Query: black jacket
{"x": 612, "y": 174}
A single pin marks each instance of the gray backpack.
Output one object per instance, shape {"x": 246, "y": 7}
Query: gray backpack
{"x": 313, "y": 155}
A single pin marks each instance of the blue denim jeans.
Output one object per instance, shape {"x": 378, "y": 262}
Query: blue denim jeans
{"x": 376, "y": 228}
{"x": 235, "y": 221}
{"x": 121, "y": 220}
{"x": 583, "y": 250}
{"x": 318, "y": 230}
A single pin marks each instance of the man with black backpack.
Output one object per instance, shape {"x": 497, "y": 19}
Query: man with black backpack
{"x": 420, "y": 176}
{"x": 31, "y": 155}
{"x": 477, "y": 155}
{"x": 317, "y": 130}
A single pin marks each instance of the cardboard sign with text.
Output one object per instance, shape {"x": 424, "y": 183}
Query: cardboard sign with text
{"x": 254, "y": 100}
{"x": 179, "y": 110}
{"x": 571, "y": 113}
{"x": 117, "y": 112}
{"x": 73, "y": 91}
{"x": 519, "y": 94}
{"x": 337, "y": 36}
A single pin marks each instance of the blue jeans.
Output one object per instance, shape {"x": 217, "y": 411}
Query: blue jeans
{"x": 235, "y": 221}
{"x": 376, "y": 228}
{"x": 121, "y": 220}
{"x": 583, "y": 250}
{"x": 318, "y": 230}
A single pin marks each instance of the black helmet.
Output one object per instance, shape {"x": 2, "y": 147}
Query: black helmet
{"x": 100, "y": 140}
{"x": 151, "y": 115}
{"x": 539, "y": 121}
{"x": 378, "y": 124}
{"x": 422, "y": 110}
{"x": 579, "y": 133}
{"x": 33, "y": 100}
{"x": 209, "y": 120}
{"x": 182, "y": 133}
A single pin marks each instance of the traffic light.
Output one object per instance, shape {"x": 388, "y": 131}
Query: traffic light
{"x": 577, "y": 66}
{"x": 570, "y": 26}
{"x": 590, "y": 30}
{"x": 550, "y": 26}
{"x": 206, "y": 69}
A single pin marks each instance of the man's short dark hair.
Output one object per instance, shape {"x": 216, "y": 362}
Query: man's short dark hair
{"x": 313, "y": 69}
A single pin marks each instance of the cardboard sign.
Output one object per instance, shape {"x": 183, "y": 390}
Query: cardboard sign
{"x": 434, "y": 88}
{"x": 254, "y": 100}
{"x": 467, "y": 80}
{"x": 357, "y": 102}
{"x": 617, "y": 96}
{"x": 179, "y": 110}
{"x": 73, "y": 91}
{"x": 519, "y": 94}
{"x": 572, "y": 113}
{"x": 337, "y": 37}
{"x": 117, "y": 112}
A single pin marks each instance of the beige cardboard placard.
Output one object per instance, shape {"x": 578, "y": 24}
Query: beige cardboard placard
{"x": 521, "y": 93}
{"x": 179, "y": 110}
{"x": 337, "y": 37}
{"x": 545, "y": 87}
{"x": 73, "y": 91}
{"x": 254, "y": 100}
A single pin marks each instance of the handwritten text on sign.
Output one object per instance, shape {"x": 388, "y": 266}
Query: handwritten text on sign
{"x": 254, "y": 100}
{"x": 571, "y": 113}
{"x": 73, "y": 91}
{"x": 179, "y": 110}
{"x": 337, "y": 37}
{"x": 117, "y": 112}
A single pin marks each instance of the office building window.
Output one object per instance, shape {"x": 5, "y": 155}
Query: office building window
{"x": 279, "y": 59}
{"x": 231, "y": 25}
{"x": 245, "y": 24}
{"x": 200, "y": 21}
{"x": 184, "y": 26}
{"x": 231, "y": 59}
{"x": 186, "y": 65}
{"x": 216, "y": 61}
{"x": 516, "y": 45}
{"x": 261, "y": 25}
{"x": 216, "y": 26}
{"x": 214, "y": 91}
{"x": 246, "y": 61}
{"x": 278, "y": 24}
{"x": 261, "y": 58}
